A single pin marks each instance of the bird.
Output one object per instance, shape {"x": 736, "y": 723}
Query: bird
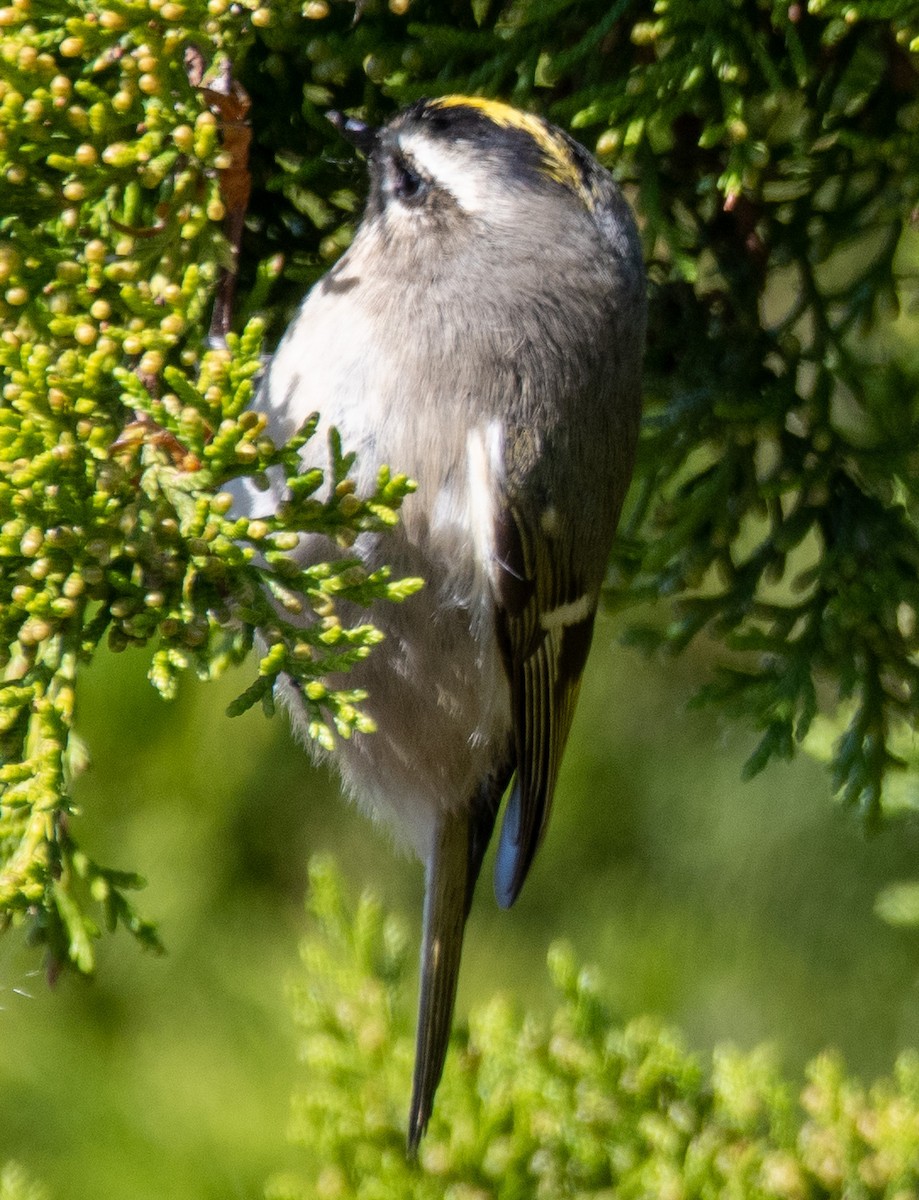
{"x": 484, "y": 334}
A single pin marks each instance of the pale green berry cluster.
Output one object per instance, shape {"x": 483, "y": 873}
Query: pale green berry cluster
{"x": 569, "y": 1105}
{"x": 121, "y": 425}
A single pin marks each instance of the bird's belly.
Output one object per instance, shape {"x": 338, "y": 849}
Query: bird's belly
{"x": 437, "y": 693}
{"x": 437, "y": 688}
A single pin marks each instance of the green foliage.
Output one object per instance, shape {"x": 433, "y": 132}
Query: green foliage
{"x": 770, "y": 151}
{"x": 121, "y": 427}
{"x": 571, "y": 1106}
{"x": 15, "y": 1184}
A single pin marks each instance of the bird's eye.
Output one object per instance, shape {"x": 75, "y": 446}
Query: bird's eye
{"x": 407, "y": 185}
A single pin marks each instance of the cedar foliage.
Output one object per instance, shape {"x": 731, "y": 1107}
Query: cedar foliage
{"x": 770, "y": 150}
{"x": 575, "y": 1105}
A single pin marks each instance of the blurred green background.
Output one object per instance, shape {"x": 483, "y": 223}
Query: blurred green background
{"x": 740, "y": 912}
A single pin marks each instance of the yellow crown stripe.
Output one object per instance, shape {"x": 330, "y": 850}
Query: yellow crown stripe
{"x": 559, "y": 161}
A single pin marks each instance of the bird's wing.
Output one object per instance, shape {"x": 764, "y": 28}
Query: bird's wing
{"x": 545, "y": 616}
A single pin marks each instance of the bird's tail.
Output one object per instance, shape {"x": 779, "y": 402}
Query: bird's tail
{"x": 460, "y": 842}
{"x": 447, "y": 890}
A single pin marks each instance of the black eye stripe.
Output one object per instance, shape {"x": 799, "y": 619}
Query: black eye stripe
{"x": 406, "y": 183}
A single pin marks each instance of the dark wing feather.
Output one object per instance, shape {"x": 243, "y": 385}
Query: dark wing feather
{"x": 545, "y": 616}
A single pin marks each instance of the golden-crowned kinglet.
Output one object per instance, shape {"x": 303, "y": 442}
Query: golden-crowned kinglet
{"x": 483, "y": 334}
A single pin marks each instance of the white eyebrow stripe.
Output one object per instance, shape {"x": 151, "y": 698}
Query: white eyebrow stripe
{"x": 460, "y": 174}
{"x": 572, "y": 613}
